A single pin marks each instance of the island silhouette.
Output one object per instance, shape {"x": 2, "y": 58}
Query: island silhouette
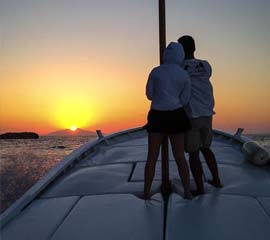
{"x": 68, "y": 132}
{"x": 19, "y": 135}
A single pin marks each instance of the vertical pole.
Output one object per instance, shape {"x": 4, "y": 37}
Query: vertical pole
{"x": 165, "y": 186}
{"x": 162, "y": 29}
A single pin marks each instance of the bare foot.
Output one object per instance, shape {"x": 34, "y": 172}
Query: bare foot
{"x": 216, "y": 184}
{"x": 188, "y": 195}
{"x": 143, "y": 196}
{"x": 197, "y": 193}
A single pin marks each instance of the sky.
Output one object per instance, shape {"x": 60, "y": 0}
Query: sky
{"x": 86, "y": 62}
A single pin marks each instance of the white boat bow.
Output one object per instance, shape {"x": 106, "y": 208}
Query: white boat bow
{"x": 91, "y": 194}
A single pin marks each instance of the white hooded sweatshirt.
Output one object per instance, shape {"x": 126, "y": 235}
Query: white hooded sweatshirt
{"x": 202, "y": 99}
{"x": 168, "y": 85}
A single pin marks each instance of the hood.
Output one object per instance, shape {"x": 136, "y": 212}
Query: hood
{"x": 198, "y": 68}
{"x": 174, "y": 54}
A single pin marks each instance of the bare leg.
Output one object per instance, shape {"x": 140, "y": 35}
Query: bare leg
{"x": 197, "y": 171}
{"x": 212, "y": 165}
{"x": 177, "y": 141}
{"x": 165, "y": 186}
{"x": 154, "y": 142}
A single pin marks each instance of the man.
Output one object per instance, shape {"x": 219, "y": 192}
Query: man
{"x": 200, "y": 110}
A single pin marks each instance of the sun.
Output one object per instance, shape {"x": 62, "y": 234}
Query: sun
{"x": 73, "y": 128}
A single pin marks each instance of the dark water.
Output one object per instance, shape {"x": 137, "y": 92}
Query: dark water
{"x": 24, "y": 162}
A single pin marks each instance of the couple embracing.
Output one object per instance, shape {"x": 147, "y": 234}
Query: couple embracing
{"x": 182, "y": 104}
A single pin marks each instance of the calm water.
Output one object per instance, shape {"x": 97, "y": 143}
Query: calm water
{"x": 24, "y": 162}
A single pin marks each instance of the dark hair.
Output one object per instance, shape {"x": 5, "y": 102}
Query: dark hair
{"x": 188, "y": 43}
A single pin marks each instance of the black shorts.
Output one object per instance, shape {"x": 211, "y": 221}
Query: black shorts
{"x": 168, "y": 122}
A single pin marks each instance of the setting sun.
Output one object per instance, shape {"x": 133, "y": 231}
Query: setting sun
{"x": 73, "y": 128}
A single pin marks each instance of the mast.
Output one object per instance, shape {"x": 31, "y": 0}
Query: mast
{"x": 165, "y": 186}
{"x": 162, "y": 28}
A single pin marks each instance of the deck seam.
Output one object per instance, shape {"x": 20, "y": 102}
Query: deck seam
{"x": 99, "y": 194}
{"x": 109, "y": 193}
{"x": 241, "y": 195}
{"x": 240, "y": 165}
{"x": 165, "y": 214}
{"x": 132, "y": 171}
{"x": 262, "y": 206}
{"x": 230, "y": 194}
{"x": 64, "y": 218}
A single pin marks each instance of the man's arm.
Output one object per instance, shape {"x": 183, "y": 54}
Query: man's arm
{"x": 185, "y": 95}
{"x": 207, "y": 67}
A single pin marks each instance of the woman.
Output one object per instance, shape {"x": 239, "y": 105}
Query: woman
{"x": 168, "y": 88}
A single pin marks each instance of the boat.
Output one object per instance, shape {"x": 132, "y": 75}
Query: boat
{"x": 94, "y": 193}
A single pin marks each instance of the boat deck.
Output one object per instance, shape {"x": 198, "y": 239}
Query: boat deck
{"x": 96, "y": 198}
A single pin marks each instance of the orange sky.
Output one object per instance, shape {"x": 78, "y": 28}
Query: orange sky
{"x": 59, "y": 70}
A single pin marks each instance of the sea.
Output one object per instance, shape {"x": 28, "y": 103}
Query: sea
{"x": 23, "y": 162}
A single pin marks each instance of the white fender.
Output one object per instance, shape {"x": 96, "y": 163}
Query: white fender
{"x": 255, "y": 153}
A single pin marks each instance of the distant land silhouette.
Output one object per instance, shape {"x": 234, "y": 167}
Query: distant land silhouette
{"x": 68, "y": 132}
{"x": 19, "y": 135}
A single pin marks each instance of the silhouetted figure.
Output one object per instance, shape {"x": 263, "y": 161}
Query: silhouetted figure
{"x": 168, "y": 88}
{"x": 200, "y": 110}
